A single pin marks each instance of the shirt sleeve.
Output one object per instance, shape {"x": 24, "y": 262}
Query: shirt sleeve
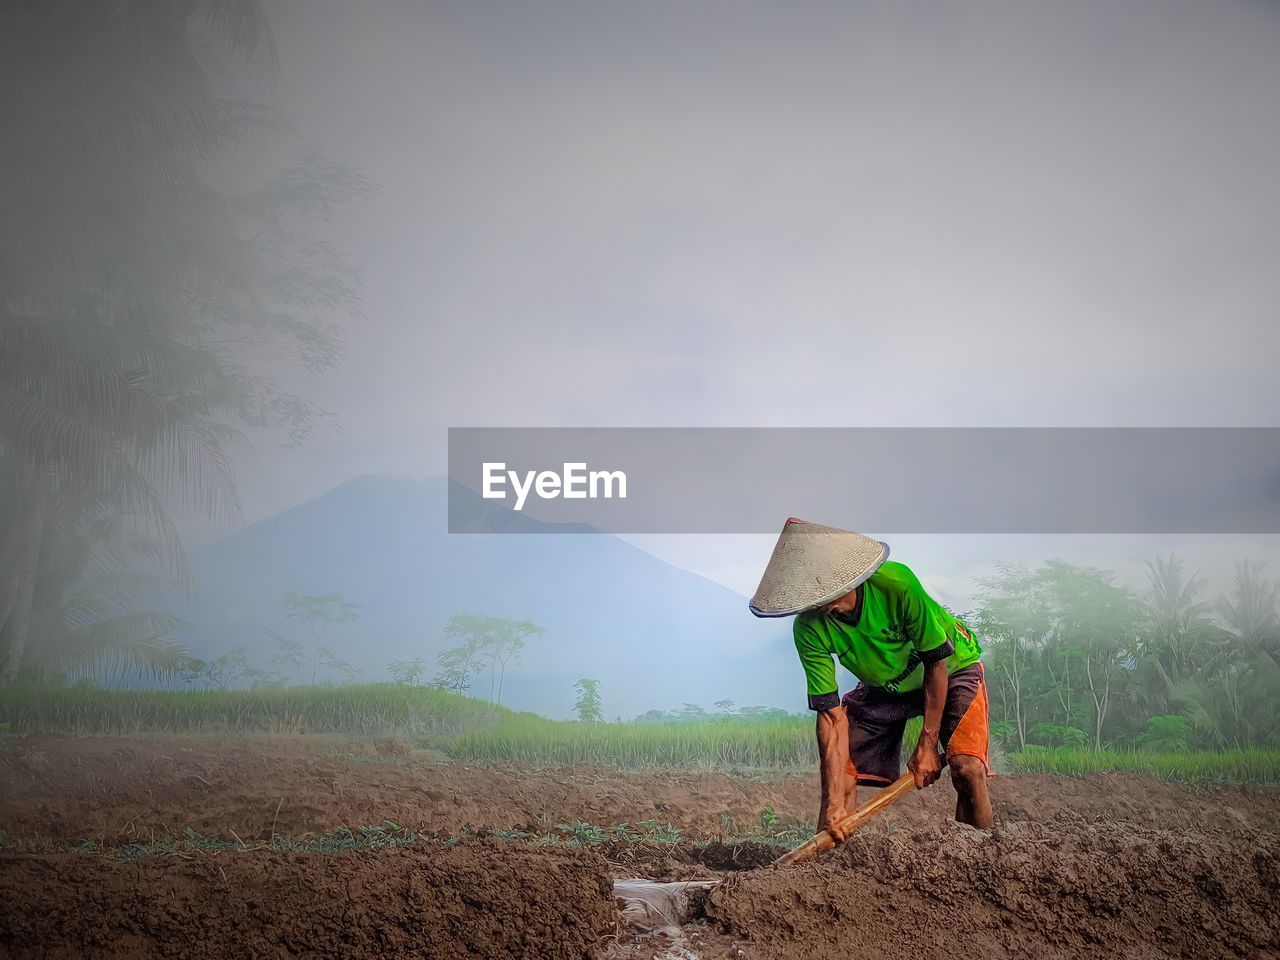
{"x": 923, "y": 627}
{"x": 819, "y": 669}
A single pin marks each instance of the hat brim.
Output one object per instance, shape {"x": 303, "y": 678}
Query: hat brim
{"x": 838, "y": 592}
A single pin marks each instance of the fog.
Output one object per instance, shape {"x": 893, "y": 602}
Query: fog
{"x": 668, "y": 214}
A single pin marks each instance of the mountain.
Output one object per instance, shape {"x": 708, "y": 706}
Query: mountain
{"x": 656, "y": 636}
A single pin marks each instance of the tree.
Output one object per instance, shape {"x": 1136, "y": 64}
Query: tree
{"x": 320, "y": 613}
{"x": 1062, "y": 642}
{"x": 491, "y": 642}
{"x": 1250, "y": 615}
{"x": 407, "y": 672}
{"x": 229, "y": 670}
{"x": 1014, "y": 620}
{"x": 1091, "y": 611}
{"x": 504, "y": 642}
{"x": 1178, "y": 624}
{"x": 455, "y": 665}
{"x": 88, "y": 584}
{"x": 333, "y": 664}
{"x": 290, "y": 656}
{"x": 724, "y": 706}
{"x": 588, "y": 704}
{"x": 139, "y": 301}
{"x": 692, "y": 713}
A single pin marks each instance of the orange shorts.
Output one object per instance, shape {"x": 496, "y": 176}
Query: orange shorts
{"x": 877, "y": 720}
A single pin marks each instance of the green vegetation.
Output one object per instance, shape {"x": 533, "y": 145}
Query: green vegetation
{"x": 463, "y": 727}
{"x": 468, "y": 729}
{"x": 374, "y": 709}
{"x": 588, "y": 707}
{"x": 1074, "y": 660}
{"x": 487, "y": 643}
{"x": 1201, "y": 766}
{"x": 784, "y": 744}
{"x": 142, "y": 311}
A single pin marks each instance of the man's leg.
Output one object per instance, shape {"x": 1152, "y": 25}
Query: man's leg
{"x": 965, "y": 735}
{"x": 973, "y": 801}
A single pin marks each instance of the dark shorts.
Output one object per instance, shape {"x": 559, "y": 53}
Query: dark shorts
{"x": 877, "y": 719}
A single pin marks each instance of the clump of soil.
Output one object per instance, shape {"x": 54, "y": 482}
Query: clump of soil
{"x": 1060, "y": 890}
{"x": 477, "y": 899}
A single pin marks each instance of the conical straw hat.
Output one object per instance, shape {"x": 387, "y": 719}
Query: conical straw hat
{"x": 812, "y": 565}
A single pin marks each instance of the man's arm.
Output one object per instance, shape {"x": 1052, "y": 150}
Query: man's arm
{"x": 924, "y": 761}
{"x": 833, "y": 751}
{"x": 838, "y": 790}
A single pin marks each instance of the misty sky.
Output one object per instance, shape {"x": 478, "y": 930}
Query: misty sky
{"x": 765, "y": 214}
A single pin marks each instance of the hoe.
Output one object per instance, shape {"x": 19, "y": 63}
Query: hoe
{"x": 663, "y": 907}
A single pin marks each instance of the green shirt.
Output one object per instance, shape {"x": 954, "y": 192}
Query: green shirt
{"x": 895, "y": 630}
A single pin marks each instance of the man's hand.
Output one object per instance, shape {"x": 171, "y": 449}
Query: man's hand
{"x": 925, "y": 763}
{"x": 830, "y": 817}
{"x": 833, "y": 749}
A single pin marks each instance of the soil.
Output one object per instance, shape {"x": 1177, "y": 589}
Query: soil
{"x": 1042, "y": 890}
{"x": 480, "y": 899}
{"x": 143, "y": 789}
{"x": 124, "y": 790}
{"x": 1088, "y": 867}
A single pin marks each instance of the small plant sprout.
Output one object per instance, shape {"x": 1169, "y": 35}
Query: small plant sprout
{"x": 769, "y": 821}
{"x": 582, "y": 834}
{"x": 656, "y": 832}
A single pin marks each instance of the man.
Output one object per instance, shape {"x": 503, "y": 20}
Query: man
{"x": 911, "y": 657}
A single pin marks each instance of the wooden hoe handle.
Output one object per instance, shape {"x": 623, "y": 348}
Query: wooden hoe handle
{"x": 823, "y": 841}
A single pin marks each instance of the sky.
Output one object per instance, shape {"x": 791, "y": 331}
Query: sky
{"x": 805, "y": 214}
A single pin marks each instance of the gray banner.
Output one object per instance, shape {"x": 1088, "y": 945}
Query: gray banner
{"x": 899, "y": 480}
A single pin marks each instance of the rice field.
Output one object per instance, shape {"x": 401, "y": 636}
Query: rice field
{"x": 1191, "y": 766}
{"x": 370, "y": 709}
{"x": 472, "y": 730}
{"x": 778, "y": 744}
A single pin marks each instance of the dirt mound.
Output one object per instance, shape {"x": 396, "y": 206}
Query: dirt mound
{"x": 131, "y": 789}
{"x": 122, "y": 790}
{"x": 1061, "y": 890}
{"x": 476, "y": 899}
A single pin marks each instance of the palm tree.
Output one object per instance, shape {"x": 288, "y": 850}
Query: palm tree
{"x": 135, "y": 297}
{"x": 91, "y": 580}
{"x": 1251, "y": 616}
{"x": 1177, "y": 619}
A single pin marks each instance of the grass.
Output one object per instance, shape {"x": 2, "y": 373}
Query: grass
{"x": 462, "y": 727}
{"x": 774, "y": 744}
{"x": 472, "y": 730}
{"x": 1189, "y": 766}
{"x": 373, "y": 709}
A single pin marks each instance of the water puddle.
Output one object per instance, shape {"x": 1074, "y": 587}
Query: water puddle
{"x": 659, "y": 912}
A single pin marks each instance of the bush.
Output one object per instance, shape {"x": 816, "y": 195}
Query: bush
{"x": 1167, "y": 733}
{"x": 1056, "y": 735}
